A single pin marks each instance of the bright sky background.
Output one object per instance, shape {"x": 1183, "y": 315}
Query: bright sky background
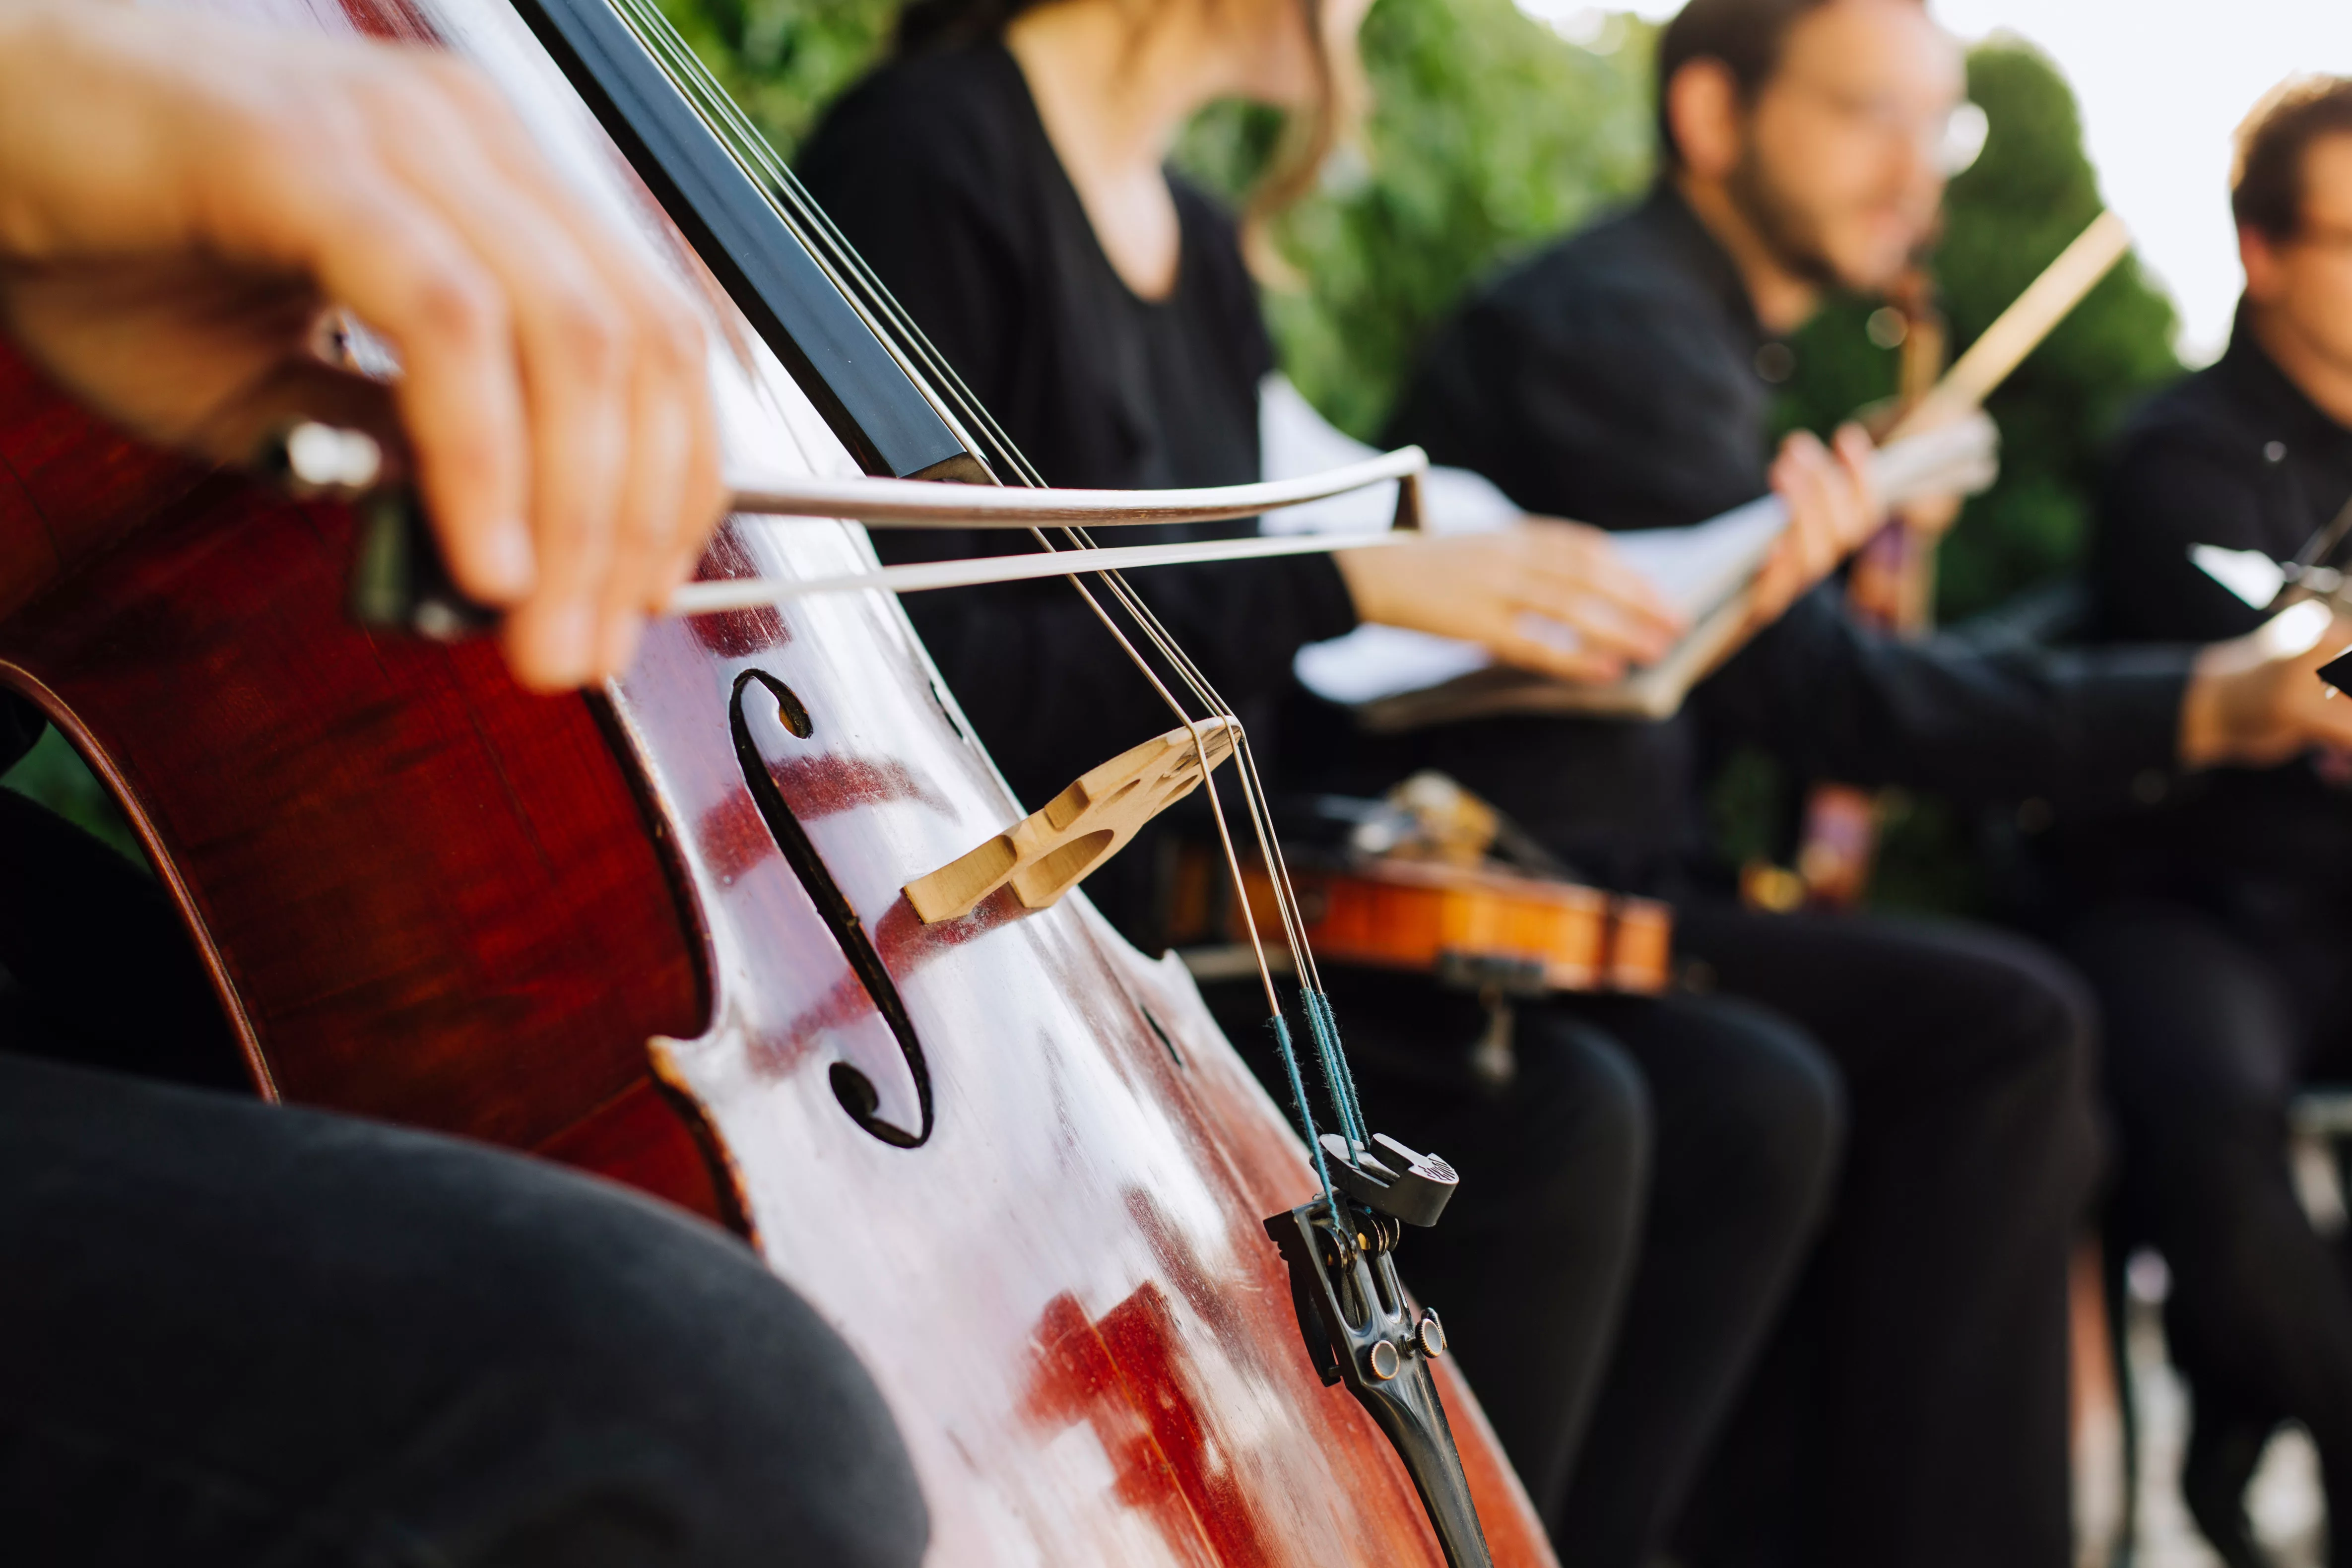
{"x": 2162, "y": 84}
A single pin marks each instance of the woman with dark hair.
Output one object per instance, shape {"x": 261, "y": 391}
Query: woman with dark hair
{"x": 1005, "y": 174}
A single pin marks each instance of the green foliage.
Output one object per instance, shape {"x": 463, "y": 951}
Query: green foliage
{"x": 53, "y": 773}
{"x": 1489, "y": 135}
{"x": 783, "y": 60}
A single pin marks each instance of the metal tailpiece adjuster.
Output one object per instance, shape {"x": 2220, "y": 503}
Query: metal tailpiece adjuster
{"x": 1360, "y": 1330}
{"x": 1392, "y": 1178}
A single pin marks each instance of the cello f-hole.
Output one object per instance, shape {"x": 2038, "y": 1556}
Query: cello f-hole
{"x": 854, "y": 1091}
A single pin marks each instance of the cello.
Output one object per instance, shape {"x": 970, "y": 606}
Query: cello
{"x": 658, "y": 931}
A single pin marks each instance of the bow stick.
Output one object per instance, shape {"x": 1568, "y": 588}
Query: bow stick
{"x": 400, "y": 581}
{"x": 2020, "y": 329}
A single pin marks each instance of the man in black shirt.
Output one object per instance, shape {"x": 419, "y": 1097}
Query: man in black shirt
{"x": 2223, "y": 951}
{"x": 1625, "y": 377}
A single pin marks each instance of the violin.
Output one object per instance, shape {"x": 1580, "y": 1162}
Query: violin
{"x": 658, "y": 931}
{"x": 1434, "y": 880}
{"x": 1484, "y": 928}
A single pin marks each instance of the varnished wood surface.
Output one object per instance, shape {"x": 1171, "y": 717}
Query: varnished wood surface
{"x": 438, "y": 900}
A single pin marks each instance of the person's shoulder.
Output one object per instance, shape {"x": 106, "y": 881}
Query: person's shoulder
{"x": 947, "y": 113}
{"x": 1605, "y": 284}
{"x": 2195, "y": 417}
{"x": 1619, "y": 257}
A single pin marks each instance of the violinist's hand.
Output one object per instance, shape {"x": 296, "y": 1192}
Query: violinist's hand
{"x": 1555, "y": 597}
{"x": 2257, "y": 700}
{"x": 181, "y": 199}
{"x": 1833, "y": 509}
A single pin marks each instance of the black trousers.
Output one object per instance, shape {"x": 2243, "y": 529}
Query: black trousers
{"x": 1911, "y": 1412}
{"x": 233, "y": 1333}
{"x": 2211, "y": 1028}
{"x": 1634, "y": 1206}
{"x": 236, "y": 1334}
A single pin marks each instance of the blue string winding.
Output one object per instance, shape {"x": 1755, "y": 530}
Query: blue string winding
{"x": 1281, "y": 1027}
{"x": 1323, "y": 1026}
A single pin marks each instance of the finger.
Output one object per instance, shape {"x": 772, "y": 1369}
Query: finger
{"x": 1816, "y": 538}
{"x": 1632, "y": 624}
{"x": 578, "y": 347}
{"x": 705, "y": 499}
{"x": 1628, "y": 613}
{"x": 1583, "y": 665}
{"x": 1843, "y": 507}
{"x": 645, "y": 544}
{"x": 1571, "y": 558}
{"x": 673, "y": 498}
{"x": 395, "y": 264}
{"x": 1855, "y": 453}
{"x": 1804, "y": 475}
{"x": 1584, "y": 621}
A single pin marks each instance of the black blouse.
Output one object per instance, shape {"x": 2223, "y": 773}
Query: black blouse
{"x": 939, "y": 171}
{"x": 1616, "y": 378}
{"x": 2235, "y": 456}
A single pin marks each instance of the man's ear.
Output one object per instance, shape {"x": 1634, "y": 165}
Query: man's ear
{"x": 1703, "y": 107}
{"x": 2259, "y": 254}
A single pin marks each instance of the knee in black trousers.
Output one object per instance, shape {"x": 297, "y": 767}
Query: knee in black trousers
{"x": 1749, "y": 1122}
{"x": 1921, "y": 1376}
{"x": 240, "y": 1333}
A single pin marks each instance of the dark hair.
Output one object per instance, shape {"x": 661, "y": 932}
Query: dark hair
{"x": 2266, "y": 178}
{"x": 1308, "y": 139}
{"x": 926, "y": 25}
{"x": 1745, "y": 36}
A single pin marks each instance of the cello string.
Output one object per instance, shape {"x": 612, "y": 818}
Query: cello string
{"x": 753, "y": 149}
{"x": 713, "y": 97}
{"x": 1280, "y": 1026}
{"x": 1321, "y": 1019}
{"x": 1338, "y": 1082}
{"x": 814, "y": 228}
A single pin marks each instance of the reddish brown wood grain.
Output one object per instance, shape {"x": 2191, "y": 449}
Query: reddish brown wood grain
{"x": 433, "y": 898}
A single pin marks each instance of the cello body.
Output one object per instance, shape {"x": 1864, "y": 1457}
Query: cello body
{"x": 656, "y": 931}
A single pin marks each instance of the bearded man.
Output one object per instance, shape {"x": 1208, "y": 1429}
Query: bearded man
{"x": 1912, "y": 1408}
